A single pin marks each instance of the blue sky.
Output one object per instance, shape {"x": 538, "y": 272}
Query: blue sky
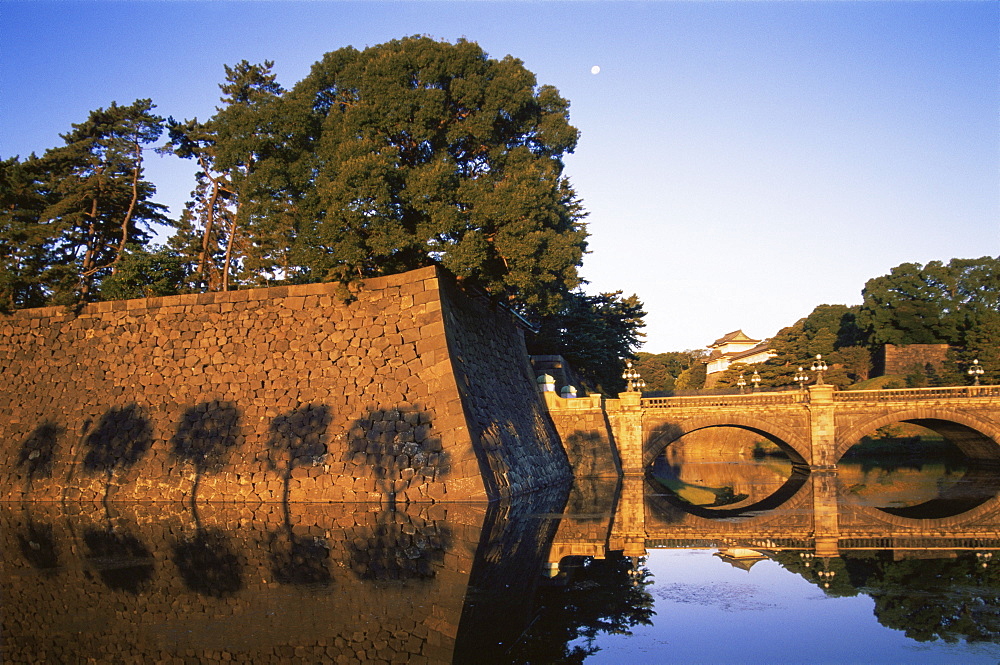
{"x": 741, "y": 162}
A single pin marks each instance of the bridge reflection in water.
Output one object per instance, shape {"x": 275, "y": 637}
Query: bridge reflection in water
{"x": 441, "y": 584}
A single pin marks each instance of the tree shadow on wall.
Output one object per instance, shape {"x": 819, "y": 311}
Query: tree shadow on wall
{"x": 39, "y": 548}
{"x": 122, "y": 436}
{"x": 122, "y": 561}
{"x": 591, "y": 454}
{"x": 399, "y": 547}
{"x": 38, "y": 450}
{"x": 298, "y": 438}
{"x": 206, "y": 434}
{"x": 208, "y": 565}
{"x": 396, "y": 445}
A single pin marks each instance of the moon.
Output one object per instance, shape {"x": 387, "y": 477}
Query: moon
{"x": 595, "y": 70}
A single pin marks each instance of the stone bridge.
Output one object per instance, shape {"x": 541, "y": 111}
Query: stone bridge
{"x": 815, "y": 427}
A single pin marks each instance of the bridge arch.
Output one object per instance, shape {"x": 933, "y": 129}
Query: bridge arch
{"x": 978, "y": 438}
{"x": 664, "y": 431}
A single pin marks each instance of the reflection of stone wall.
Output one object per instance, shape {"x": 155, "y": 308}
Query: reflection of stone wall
{"x": 272, "y": 394}
{"x": 237, "y": 585}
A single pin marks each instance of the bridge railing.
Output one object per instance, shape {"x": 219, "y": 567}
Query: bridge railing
{"x": 912, "y": 394}
{"x": 751, "y": 399}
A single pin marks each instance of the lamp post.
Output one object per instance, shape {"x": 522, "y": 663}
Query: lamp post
{"x": 983, "y": 558}
{"x": 741, "y": 383}
{"x": 633, "y": 378}
{"x": 975, "y": 371}
{"x": 801, "y": 377}
{"x": 755, "y": 380}
{"x": 819, "y": 366}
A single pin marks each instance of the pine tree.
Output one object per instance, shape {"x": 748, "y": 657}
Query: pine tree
{"x": 99, "y": 199}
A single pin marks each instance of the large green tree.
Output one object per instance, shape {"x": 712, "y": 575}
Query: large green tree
{"x": 936, "y": 303}
{"x": 416, "y": 152}
{"x": 68, "y": 216}
{"x": 830, "y": 331}
{"x": 660, "y": 371}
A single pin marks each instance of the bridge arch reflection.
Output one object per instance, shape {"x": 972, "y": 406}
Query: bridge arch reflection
{"x": 662, "y": 504}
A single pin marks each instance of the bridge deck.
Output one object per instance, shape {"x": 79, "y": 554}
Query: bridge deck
{"x": 798, "y": 396}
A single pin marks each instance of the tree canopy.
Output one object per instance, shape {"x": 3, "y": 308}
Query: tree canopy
{"x": 398, "y": 156}
{"x": 69, "y": 215}
{"x": 956, "y": 303}
{"x": 418, "y": 151}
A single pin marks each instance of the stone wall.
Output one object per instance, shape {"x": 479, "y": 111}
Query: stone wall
{"x": 507, "y": 419}
{"x": 582, "y": 424}
{"x": 893, "y": 359}
{"x": 409, "y": 393}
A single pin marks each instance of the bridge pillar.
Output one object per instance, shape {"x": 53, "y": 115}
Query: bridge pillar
{"x": 625, "y": 416}
{"x": 823, "y": 440}
{"x": 628, "y": 532}
{"x": 826, "y": 512}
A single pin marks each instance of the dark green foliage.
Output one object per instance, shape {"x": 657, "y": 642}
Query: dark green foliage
{"x": 660, "y": 371}
{"x": 99, "y": 201}
{"x": 24, "y": 239}
{"x": 948, "y": 599}
{"x": 236, "y": 231}
{"x": 402, "y": 155}
{"x": 693, "y": 378}
{"x": 957, "y": 303}
{"x": 418, "y": 151}
{"x": 830, "y": 331}
{"x": 595, "y": 334}
{"x": 67, "y": 217}
{"x": 593, "y": 597}
{"x": 144, "y": 274}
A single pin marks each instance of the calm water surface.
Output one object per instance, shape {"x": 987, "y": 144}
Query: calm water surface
{"x": 749, "y": 562}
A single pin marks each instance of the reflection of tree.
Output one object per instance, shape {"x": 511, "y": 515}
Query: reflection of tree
{"x": 121, "y": 560}
{"x": 297, "y": 439}
{"x": 597, "y": 596}
{"x": 39, "y": 547}
{"x": 121, "y": 438}
{"x": 300, "y": 560}
{"x": 208, "y": 565}
{"x": 928, "y": 599}
{"x": 810, "y": 567}
{"x": 931, "y": 599}
{"x": 398, "y": 547}
{"x": 205, "y": 435}
{"x": 38, "y": 450}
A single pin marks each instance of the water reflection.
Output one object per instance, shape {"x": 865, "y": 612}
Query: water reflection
{"x": 207, "y": 563}
{"x": 121, "y": 560}
{"x": 564, "y": 576}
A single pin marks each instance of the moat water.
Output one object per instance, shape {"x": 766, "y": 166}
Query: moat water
{"x": 722, "y": 574}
